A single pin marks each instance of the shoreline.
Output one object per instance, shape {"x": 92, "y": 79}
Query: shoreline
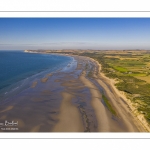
{"x": 139, "y": 117}
{"x": 71, "y": 93}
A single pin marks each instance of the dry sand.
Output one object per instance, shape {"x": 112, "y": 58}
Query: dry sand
{"x": 69, "y": 119}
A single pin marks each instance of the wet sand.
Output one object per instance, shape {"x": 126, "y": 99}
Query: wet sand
{"x": 70, "y": 100}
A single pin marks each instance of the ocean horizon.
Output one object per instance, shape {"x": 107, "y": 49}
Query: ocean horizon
{"x": 19, "y": 69}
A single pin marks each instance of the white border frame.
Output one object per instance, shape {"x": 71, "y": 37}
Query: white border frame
{"x": 74, "y": 14}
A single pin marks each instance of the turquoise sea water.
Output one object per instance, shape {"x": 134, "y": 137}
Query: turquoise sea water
{"x": 18, "y": 69}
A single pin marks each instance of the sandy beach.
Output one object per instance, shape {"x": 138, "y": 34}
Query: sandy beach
{"x": 71, "y": 100}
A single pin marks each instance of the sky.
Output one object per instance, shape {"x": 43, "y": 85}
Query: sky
{"x": 74, "y": 33}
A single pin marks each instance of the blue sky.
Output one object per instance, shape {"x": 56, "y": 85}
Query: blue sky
{"x": 74, "y": 33}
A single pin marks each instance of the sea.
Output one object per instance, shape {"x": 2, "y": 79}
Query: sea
{"x": 19, "y": 69}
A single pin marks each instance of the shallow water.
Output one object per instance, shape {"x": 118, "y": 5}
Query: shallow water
{"x": 19, "y": 69}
